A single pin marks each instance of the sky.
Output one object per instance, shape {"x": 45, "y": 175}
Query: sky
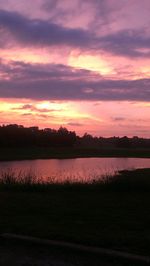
{"x": 82, "y": 64}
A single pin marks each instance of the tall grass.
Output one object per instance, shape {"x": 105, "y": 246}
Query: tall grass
{"x": 135, "y": 180}
{"x": 11, "y": 177}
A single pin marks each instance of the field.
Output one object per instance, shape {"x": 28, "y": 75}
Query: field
{"x": 63, "y": 153}
{"x": 114, "y": 214}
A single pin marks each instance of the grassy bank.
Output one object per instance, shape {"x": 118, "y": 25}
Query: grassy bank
{"x": 113, "y": 214}
{"x": 62, "y": 153}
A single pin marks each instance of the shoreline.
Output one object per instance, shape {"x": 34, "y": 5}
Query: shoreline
{"x": 42, "y": 153}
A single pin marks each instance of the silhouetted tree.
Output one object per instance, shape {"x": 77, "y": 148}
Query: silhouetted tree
{"x": 18, "y": 136}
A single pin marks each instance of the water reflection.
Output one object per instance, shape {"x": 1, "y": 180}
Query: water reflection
{"x": 75, "y": 169}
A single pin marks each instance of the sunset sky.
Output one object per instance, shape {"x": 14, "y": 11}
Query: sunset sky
{"x": 81, "y": 64}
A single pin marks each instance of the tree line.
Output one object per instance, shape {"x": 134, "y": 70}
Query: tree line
{"x": 14, "y": 135}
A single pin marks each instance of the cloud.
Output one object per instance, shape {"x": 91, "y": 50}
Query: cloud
{"x": 36, "y": 32}
{"x": 58, "y": 82}
{"x": 85, "y": 14}
{"x": 25, "y": 107}
{"x": 27, "y": 114}
{"x": 23, "y": 71}
{"x": 42, "y": 116}
{"x": 118, "y": 118}
{"x": 132, "y": 43}
{"x": 75, "y": 124}
{"x": 20, "y": 30}
{"x": 34, "y": 108}
{"x": 72, "y": 14}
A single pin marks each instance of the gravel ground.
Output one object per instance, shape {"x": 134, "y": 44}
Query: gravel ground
{"x": 20, "y": 254}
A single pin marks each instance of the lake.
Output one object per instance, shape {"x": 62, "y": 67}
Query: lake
{"x": 75, "y": 169}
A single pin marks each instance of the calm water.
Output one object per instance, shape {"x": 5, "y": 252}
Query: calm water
{"x": 81, "y": 168}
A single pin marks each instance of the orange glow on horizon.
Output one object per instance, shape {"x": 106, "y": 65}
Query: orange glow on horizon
{"x": 100, "y": 118}
{"x": 43, "y": 112}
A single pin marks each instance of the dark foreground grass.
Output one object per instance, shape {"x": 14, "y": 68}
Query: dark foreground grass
{"x": 20, "y": 253}
{"x": 114, "y": 214}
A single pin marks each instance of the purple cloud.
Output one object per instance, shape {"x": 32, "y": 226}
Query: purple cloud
{"x": 43, "y": 33}
{"x": 39, "y": 32}
{"x": 66, "y": 83}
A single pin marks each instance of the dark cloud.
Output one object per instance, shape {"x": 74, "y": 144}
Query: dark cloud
{"x": 128, "y": 42}
{"x": 67, "y": 83}
{"x": 27, "y": 114}
{"x": 36, "y": 32}
{"x": 75, "y": 124}
{"x": 118, "y": 118}
{"x": 34, "y": 108}
{"x": 25, "y": 107}
{"x": 43, "y": 116}
{"x": 20, "y": 71}
{"x": 40, "y": 32}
